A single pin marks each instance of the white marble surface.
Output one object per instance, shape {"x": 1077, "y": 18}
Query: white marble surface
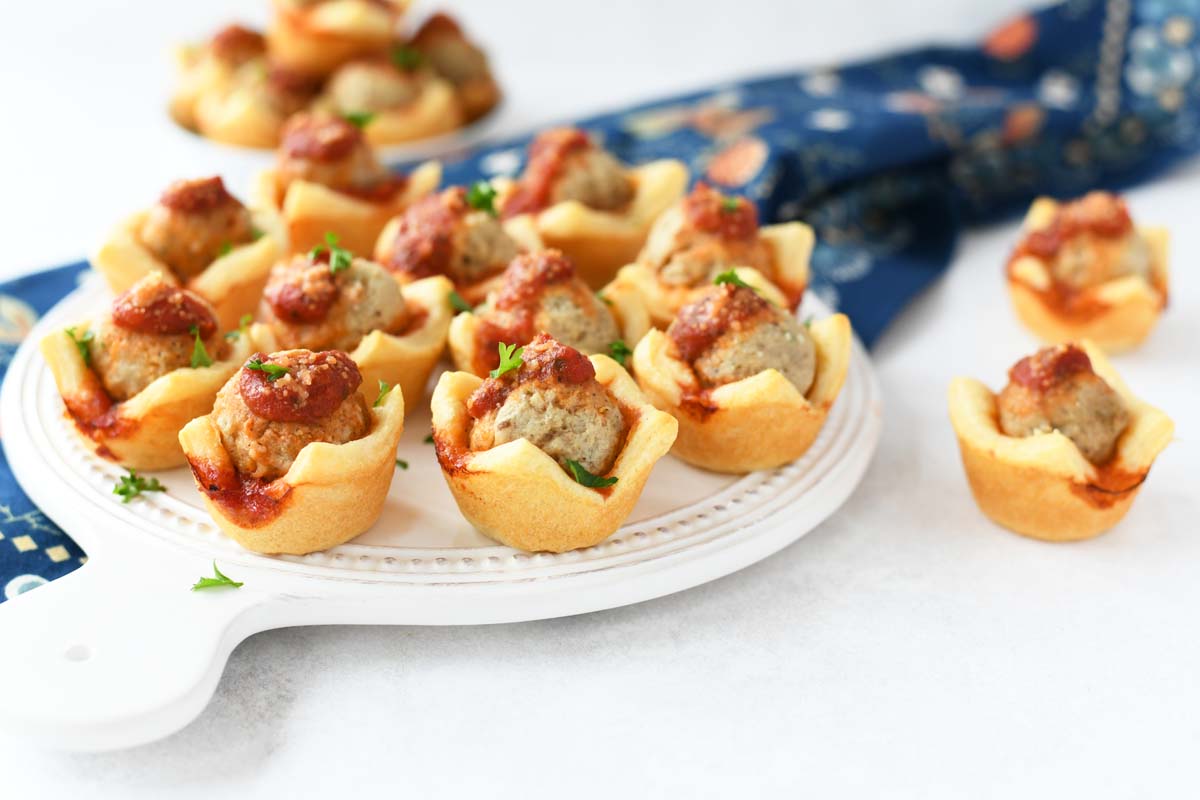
{"x": 907, "y": 648}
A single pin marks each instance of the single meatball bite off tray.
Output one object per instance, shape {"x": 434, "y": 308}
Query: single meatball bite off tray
{"x": 315, "y": 37}
{"x": 293, "y": 458}
{"x": 552, "y": 451}
{"x": 749, "y": 384}
{"x": 455, "y": 233}
{"x": 587, "y": 204}
{"x": 708, "y": 233}
{"x": 197, "y": 236}
{"x": 131, "y": 380}
{"x": 330, "y": 300}
{"x": 327, "y": 178}
{"x": 1084, "y": 271}
{"x": 540, "y": 292}
{"x": 1061, "y": 452}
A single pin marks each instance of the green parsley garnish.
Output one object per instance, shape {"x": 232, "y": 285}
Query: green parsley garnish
{"x": 731, "y": 277}
{"x": 619, "y": 351}
{"x": 199, "y": 353}
{"x": 273, "y": 371}
{"x": 81, "y": 344}
{"x": 401, "y": 463}
{"x": 482, "y": 197}
{"x": 457, "y": 302}
{"x": 220, "y": 580}
{"x": 730, "y": 204}
{"x": 243, "y": 326}
{"x": 256, "y": 234}
{"x": 131, "y": 485}
{"x": 359, "y": 119}
{"x": 510, "y": 359}
{"x": 225, "y": 249}
{"x": 406, "y": 58}
{"x": 808, "y": 322}
{"x": 339, "y": 257}
{"x": 603, "y": 299}
{"x": 429, "y": 439}
{"x": 384, "y": 391}
{"x": 585, "y": 478}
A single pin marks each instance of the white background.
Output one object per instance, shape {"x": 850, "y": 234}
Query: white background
{"x": 907, "y": 648}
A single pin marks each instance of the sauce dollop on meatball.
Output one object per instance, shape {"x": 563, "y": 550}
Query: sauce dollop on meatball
{"x": 334, "y": 153}
{"x": 704, "y": 234}
{"x": 555, "y": 402}
{"x": 277, "y": 404}
{"x": 443, "y": 235}
{"x": 731, "y": 333}
{"x": 149, "y": 333}
{"x": 1056, "y": 389}
{"x": 540, "y": 292}
{"x": 193, "y": 222}
{"x": 564, "y": 164}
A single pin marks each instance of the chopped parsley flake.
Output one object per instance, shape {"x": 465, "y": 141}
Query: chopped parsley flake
{"x": 730, "y": 204}
{"x": 273, "y": 371}
{"x": 619, "y": 351}
{"x": 585, "y": 478}
{"x": 131, "y": 485}
{"x": 406, "y": 58}
{"x": 243, "y": 326}
{"x": 731, "y": 277}
{"x": 482, "y": 197}
{"x": 510, "y": 359}
{"x": 339, "y": 257}
{"x": 359, "y": 119}
{"x": 401, "y": 463}
{"x": 200, "y": 357}
{"x": 384, "y": 391}
{"x": 458, "y": 303}
{"x": 82, "y": 342}
{"x": 219, "y": 580}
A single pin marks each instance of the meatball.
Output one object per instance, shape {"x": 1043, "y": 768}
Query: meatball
{"x": 286, "y": 91}
{"x": 575, "y": 316}
{"x": 329, "y": 151}
{"x": 443, "y": 235}
{"x": 193, "y": 222}
{"x": 308, "y": 305}
{"x": 563, "y": 165}
{"x": 441, "y": 41}
{"x": 1090, "y": 241}
{"x": 1056, "y": 389}
{"x": 150, "y": 331}
{"x": 555, "y": 403}
{"x": 264, "y": 424}
{"x": 731, "y": 334}
{"x": 372, "y": 86}
{"x": 705, "y": 234}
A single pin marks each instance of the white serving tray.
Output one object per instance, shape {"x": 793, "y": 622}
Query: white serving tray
{"x": 120, "y": 652}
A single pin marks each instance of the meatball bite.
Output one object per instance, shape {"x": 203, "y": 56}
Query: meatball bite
{"x": 1090, "y": 241}
{"x": 287, "y": 91}
{"x": 540, "y": 292}
{"x": 443, "y": 235}
{"x": 1056, "y": 389}
{"x": 193, "y": 223}
{"x": 374, "y": 86}
{"x": 446, "y": 48}
{"x": 555, "y": 403}
{"x": 704, "y": 234}
{"x": 277, "y": 404}
{"x": 329, "y": 300}
{"x": 564, "y": 164}
{"x": 151, "y": 330}
{"x": 332, "y": 152}
{"x": 731, "y": 333}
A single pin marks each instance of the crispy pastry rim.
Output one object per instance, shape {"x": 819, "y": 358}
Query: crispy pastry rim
{"x": 519, "y": 496}
{"x": 760, "y": 422}
{"x": 317, "y": 40}
{"x": 1041, "y": 486}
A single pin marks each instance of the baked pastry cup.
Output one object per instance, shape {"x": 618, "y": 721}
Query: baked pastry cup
{"x": 330, "y": 494}
{"x": 317, "y": 39}
{"x": 400, "y": 360}
{"x": 232, "y": 283}
{"x": 760, "y": 422}
{"x": 601, "y": 242}
{"x": 306, "y": 211}
{"x": 623, "y": 302}
{"x": 518, "y": 495}
{"x": 1041, "y": 486}
{"x": 143, "y": 431}
{"x": 436, "y": 111}
{"x": 1117, "y": 315}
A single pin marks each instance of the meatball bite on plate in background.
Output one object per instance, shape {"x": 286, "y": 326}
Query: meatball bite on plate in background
{"x": 539, "y": 292}
{"x": 441, "y": 41}
{"x": 734, "y": 365}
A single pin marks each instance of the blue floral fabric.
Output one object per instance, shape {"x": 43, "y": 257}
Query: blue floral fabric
{"x": 887, "y": 159}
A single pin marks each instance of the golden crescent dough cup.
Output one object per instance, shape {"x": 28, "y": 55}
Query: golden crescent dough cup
{"x": 625, "y": 304}
{"x": 232, "y": 283}
{"x": 436, "y": 111}
{"x": 235, "y": 113}
{"x": 144, "y": 430}
{"x": 1041, "y": 486}
{"x": 521, "y": 497}
{"x": 601, "y": 242}
{"x": 1118, "y": 314}
{"x": 331, "y": 493}
{"x": 520, "y": 229}
{"x": 760, "y": 422}
{"x": 199, "y": 73}
{"x": 319, "y": 39}
{"x": 310, "y": 210}
{"x": 405, "y": 361}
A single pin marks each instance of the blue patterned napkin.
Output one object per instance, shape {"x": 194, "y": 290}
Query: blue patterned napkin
{"x": 887, "y": 159}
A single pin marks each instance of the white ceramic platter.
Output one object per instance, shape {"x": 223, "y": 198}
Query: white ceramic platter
{"x": 120, "y": 652}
